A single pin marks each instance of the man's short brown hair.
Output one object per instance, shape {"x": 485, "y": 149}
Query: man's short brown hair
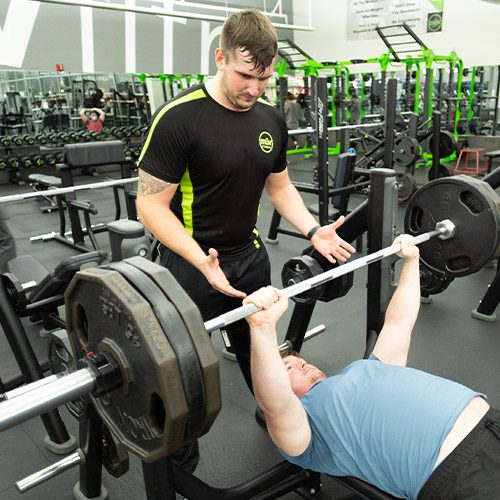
{"x": 252, "y": 31}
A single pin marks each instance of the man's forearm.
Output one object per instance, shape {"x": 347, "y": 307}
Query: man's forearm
{"x": 405, "y": 303}
{"x": 290, "y": 205}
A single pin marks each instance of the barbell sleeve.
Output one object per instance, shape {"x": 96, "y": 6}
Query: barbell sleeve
{"x": 64, "y": 190}
{"x": 444, "y": 229}
{"x": 36, "y": 402}
{"x": 51, "y": 471}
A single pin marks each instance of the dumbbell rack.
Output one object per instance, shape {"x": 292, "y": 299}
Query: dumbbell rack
{"x": 35, "y": 151}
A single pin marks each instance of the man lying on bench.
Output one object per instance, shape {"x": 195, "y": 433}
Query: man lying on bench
{"x": 409, "y": 433}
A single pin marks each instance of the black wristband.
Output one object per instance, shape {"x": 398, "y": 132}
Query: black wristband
{"x": 313, "y": 231}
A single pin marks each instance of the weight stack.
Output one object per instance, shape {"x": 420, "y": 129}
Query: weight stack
{"x": 128, "y": 239}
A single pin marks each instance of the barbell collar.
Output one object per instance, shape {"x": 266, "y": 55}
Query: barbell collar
{"x": 444, "y": 229}
{"x": 65, "y": 190}
{"x": 51, "y": 471}
{"x": 36, "y": 402}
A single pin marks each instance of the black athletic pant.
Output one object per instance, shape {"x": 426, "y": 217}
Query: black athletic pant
{"x": 472, "y": 470}
{"x": 248, "y": 273}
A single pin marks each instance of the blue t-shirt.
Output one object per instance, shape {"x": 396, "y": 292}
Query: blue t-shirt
{"x": 382, "y": 423}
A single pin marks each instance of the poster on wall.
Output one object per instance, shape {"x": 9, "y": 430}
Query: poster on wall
{"x": 363, "y": 16}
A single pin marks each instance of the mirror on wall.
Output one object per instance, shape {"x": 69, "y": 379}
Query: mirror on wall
{"x": 37, "y": 101}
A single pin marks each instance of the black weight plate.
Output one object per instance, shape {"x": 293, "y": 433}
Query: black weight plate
{"x": 148, "y": 413}
{"x": 406, "y": 151}
{"x": 474, "y": 208}
{"x": 431, "y": 282}
{"x": 191, "y": 317}
{"x": 179, "y": 339}
{"x": 299, "y": 269}
{"x": 407, "y": 185}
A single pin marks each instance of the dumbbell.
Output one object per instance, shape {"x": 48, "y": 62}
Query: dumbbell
{"x": 17, "y": 140}
{"x": 53, "y": 138}
{"x": 3, "y": 164}
{"x": 38, "y": 161}
{"x": 6, "y": 141}
{"x": 50, "y": 159}
{"x": 28, "y": 139}
{"x": 41, "y": 138}
{"x": 13, "y": 162}
{"x": 25, "y": 162}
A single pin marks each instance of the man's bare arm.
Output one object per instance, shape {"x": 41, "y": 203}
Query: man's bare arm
{"x": 150, "y": 185}
{"x": 286, "y": 418}
{"x": 394, "y": 340}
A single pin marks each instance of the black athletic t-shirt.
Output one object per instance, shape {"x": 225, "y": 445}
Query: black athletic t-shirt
{"x": 221, "y": 159}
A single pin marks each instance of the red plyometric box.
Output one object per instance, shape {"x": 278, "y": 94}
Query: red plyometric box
{"x": 59, "y": 67}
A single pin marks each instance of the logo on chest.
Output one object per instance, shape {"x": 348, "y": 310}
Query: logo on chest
{"x": 266, "y": 142}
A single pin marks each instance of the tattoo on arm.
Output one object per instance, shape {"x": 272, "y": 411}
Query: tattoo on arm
{"x": 150, "y": 185}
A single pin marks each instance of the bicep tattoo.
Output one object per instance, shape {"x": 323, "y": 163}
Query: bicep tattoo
{"x": 150, "y": 185}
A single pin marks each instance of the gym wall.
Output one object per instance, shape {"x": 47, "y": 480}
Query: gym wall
{"x": 37, "y": 35}
{"x": 470, "y": 28}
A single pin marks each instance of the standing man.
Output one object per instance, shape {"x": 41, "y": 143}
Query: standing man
{"x": 208, "y": 155}
{"x": 292, "y": 112}
{"x": 354, "y": 105}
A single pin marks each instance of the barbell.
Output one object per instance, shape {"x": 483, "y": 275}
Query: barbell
{"x": 154, "y": 377}
{"x": 64, "y": 190}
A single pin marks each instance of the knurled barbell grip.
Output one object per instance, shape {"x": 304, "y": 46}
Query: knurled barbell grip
{"x": 443, "y": 229}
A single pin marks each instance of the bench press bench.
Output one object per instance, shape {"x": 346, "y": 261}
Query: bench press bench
{"x": 43, "y": 182}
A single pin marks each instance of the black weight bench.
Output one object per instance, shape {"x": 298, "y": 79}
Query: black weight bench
{"x": 491, "y": 155}
{"x": 44, "y": 290}
{"x": 43, "y": 182}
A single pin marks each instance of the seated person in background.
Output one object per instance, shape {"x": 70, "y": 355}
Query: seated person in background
{"x": 410, "y": 433}
{"x": 94, "y": 122}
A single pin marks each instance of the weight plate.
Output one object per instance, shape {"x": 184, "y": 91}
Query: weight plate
{"x": 300, "y": 269}
{"x": 178, "y": 337}
{"x": 407, "y": 185}
{"x": 473, "y": 206}
{"x": 406, "y": 151}
{"x": 191, "y": 317}
{"x": 148, "y": 413}
{"x": 431, "y": 282}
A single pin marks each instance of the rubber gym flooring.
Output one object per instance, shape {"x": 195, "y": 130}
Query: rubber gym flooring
{"x": 447, "y": 341}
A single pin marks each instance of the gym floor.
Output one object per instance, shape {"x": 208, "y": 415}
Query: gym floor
{"x": 447, "y": 341}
